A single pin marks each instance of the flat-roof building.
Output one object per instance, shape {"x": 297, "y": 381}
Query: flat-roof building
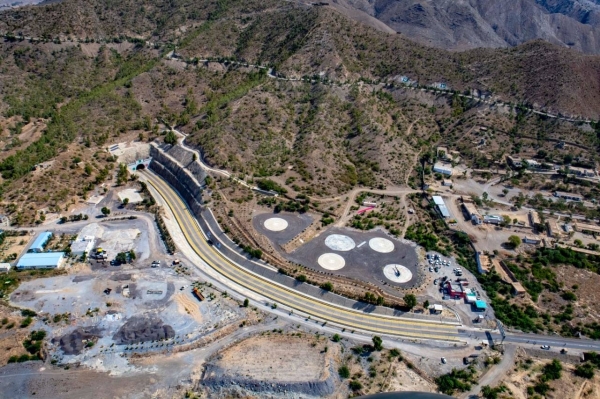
{"x": 443, "y": 169}
{"x": 40, "y": 242}
{"x": 568, "y": 196}
{"x": 44, "y": 260}
{"x": 81, "y": 245}
{"x": 439, "y": 202}
{"x": 480, "y": 305}
{"x": 587, "y": 228}
{"x": 582, "y": 171}
{"x": 4, "y": 267}
{"x": 514, "y": 161}
{"x": 472, "y": 212}
{"x": 492, "y": 219}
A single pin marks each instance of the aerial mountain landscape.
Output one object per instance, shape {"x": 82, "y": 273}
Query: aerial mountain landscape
{"x": 294, "y": 199}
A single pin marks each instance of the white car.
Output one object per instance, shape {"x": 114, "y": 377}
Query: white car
{"x": 443, "y": 360}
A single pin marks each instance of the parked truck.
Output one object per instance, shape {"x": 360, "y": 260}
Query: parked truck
{"x": 198, "y": 294}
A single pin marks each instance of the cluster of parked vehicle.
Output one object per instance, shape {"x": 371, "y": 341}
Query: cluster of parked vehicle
{"x": 436, "y": 262}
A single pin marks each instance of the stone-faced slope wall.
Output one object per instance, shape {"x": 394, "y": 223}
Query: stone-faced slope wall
{"x": 167, "y": 166}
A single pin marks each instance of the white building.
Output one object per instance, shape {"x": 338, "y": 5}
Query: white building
{"x": 81, "y": 245}
{"x": 443, "y": 169}
{"x": 439, "y": 202}
{"x": 492, "y": 219}
{"x": 4, "y": 267}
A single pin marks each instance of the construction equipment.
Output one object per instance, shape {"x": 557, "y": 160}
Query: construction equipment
{"x": 198, "y": 294}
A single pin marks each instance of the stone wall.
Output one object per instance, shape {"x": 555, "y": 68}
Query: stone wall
{"x": 184, "y": 181}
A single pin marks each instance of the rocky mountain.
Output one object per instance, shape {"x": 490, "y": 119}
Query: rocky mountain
{"x": 466, "y": 24}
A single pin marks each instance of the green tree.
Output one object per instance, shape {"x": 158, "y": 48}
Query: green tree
{"x": 377, "y": 343}
{"x": 426, "y": 304}
{"x": 410, "y": 301}
{"x": 327, "y": 286}
{"x": 514, "y": 241}
{"x": 88, "y": 169}
{"x": 125, "y": 201}
{"x": 301, "y": 278}
{"x": 170, "y": 138}
{"x": 585, "y": 370}
{"x": 246, "y": 302}
{"x": 336, "y": 338}
{"x": 344, "y": 371}
{"x": 105, "y": 211}
{"x": 132, "y": 254}
{"x": 122, "y": 174}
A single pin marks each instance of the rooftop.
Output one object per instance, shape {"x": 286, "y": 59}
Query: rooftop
{"x": 40, "y": 259}
{"x": 587, "y": 227}
{"x": 480, "y": 304}
{"x": 439, "y": 201}
{"x": 41, "y": 240}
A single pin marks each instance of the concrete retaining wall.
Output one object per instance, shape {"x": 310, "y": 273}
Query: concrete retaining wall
{"x": 184, "y": 181}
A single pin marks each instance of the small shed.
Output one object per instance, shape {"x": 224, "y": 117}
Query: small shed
{"x": 4, "y": 267}
{"x": 480, "y": 305}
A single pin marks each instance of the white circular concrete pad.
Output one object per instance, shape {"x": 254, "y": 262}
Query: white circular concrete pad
{"x": 276, "y": 224}
{"x": 382, "y": 245}
{"x": 338, "y": 242}
{"x": 331, "y": 261}
{"x": 397, "y": 273}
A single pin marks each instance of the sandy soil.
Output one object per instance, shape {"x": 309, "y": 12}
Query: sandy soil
{"x": 189, "y": 305}
{"x": 528, "y": 369}
{"x": 268, "y": 357}
{"x": 14, "y": 245}
{"x": 405, "y": 379}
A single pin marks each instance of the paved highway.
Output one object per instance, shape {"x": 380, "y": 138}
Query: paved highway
{"x": 347, "y": 318}
{"x": 344, "y": 317}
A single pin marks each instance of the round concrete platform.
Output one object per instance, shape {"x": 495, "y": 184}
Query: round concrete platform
{"x": 331, "y": 261}
{"x": 339, "y": 242}
{"x": 397, "y": 273}
{"x": 381, "y": 245}
{"x": 276, "y": 224}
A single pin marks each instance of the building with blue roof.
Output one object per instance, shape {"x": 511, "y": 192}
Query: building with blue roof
{"x": 480, "y": 305}
{"x": 40, "y": 242}
{"x": 43, "y": 260}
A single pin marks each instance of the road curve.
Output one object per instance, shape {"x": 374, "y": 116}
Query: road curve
{"x": 345, "y": 317}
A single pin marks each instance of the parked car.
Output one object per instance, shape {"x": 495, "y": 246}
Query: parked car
{"x": 545, "y": 347}
{"x": 444, "y": 361}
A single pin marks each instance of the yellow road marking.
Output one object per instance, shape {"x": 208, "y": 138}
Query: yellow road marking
{"x": 382, "y": 318}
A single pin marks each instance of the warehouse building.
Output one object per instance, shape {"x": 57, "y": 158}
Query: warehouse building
{"x": 443, "y": 169}
{"x": 40, "y": 242}
{"x": 45, "y": 260}
{"x": 439, "y": 202}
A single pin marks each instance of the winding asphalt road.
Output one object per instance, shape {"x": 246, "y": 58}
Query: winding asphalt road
{"x": 345, "y": 317}
{"x": 348, "y": 318}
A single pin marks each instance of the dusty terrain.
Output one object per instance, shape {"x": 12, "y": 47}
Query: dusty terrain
{"x": 277, "y": 363}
